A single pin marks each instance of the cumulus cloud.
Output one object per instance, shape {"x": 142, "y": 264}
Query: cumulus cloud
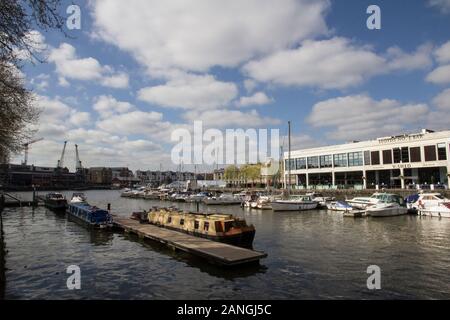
{"x": 330, "y": 64}
{"x": 440, "y": 75}
{"x": 69, "y": 66}
{"x": 361, "y": 117}
{"x": 230, "y": 118}
{"x": 442, "y": 100}
{"x": 107, "y": 106}
{"x": 259, "y": 99}
{"x": 420, "y": 59}
{"x": 189, "y": 92}
{"x": 442, "y": 5}
{"x": 443, "y": 53}
{"x": 80, "y": 119}
{"x": 197, "y": 36}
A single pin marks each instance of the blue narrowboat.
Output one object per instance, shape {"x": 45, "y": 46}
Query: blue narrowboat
{"x": 91, "y": 215}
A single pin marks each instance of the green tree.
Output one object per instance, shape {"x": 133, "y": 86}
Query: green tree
{"x": 231, "y": 173}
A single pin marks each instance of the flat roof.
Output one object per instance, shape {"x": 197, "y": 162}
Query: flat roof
{"x": 383, "y": 141}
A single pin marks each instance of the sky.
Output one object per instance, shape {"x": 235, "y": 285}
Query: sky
{"x": 137, "y": 70}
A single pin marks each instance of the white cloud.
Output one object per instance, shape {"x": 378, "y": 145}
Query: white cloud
{"x": 69, "y": 66}
{"x": 197, "y": 36}
{"x": 399, "y": 60}
{"x": 361, "y": 117}
{"x": 442, "y": 101}
{"x": 443, "y": 53}
{"x": 190, "y": 92}
{"x": 135, "y": 122}
{"x": 440, "y": 75}
{"x": 80, "y": 119}
{"x": 107, "y": 106}
{"x": 230, "y": 118}
{"x": 259, "y": 99}
{"x": 442, "y": 5}
{"x": 250, "y": 85}
{"x": 328, "y": 64}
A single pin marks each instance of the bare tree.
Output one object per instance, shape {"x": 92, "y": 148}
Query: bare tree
{"x": 17, "y": 19}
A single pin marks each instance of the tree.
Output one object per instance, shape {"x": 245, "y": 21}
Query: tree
{"x": 18, "y": 19}
{"x": 231, "y": 173}
{"x": 251, "y": 172}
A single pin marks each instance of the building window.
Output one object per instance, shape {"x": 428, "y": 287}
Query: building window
{"x": 375, "y": 157}
{"x": 181, "y": 222}
{"x": 442, "y": 152}
{"x": 430, "y": 153}
{"x": 290, "y": 164}
{"x": 326, "y": 161}
{"x": 355, "y": 159}
{"x": 397, "y": 155}
{"x": 300, "y": 163}
{"x": 206, "y": 226}
{"x": 196, "y": 224}
{"x": 169, "y": 220}
{"x": 367, "y": 158}
{"x": 415, "y": 154}
{"x": 340, "y": 160}
{"x": 387, "y": 156}
{"x": 405, "y": 154}
{"x": 313, "y": 162}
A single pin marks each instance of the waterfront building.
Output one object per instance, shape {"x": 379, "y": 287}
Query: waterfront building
{"x": 404, "y": 161}
{"x": 156, "y": 178}
{"x": 100, "y": 176}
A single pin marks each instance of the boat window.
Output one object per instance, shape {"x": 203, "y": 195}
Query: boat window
{"x": 206, "y": 225}
{"x": 228, "y": 225}
{"x": 196, "y": 224}
{"x": 181, "y": 221}
{"x": 169, "y": 220}
{"x": 438, "y": 196}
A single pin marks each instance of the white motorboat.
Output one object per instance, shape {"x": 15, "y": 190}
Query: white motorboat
{"x": 263, "y": 203}
{"x": 78, "y": 197}
{"x": 199, "y": 197}
{"x": 442, "y": 210}
{"x": 365, "y": 202}
{"x": 339, "y": 206}
{"x": 389, "y": 205}
{"x": 423, "y": 201}
{"x": 224, "y": 199}
{"x": 298, "y": 203}
{"x": 320, "y": 198}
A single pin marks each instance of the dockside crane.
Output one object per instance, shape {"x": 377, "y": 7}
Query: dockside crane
{"x": 26, "y": 147}
{"x": 61, "y": 160}
{"x": 78, "y": 165}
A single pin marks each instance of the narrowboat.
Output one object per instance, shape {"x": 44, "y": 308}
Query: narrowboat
{"x": 92, "y": 216}
{"x": 218, "y": 227}
{"x": 55, "y": 201}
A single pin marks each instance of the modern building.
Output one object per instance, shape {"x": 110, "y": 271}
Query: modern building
{"x": 390, "y": 162}
{"x": 156, "y": 178}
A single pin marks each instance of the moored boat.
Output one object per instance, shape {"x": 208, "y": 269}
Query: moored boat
{"x": 224, "y": 199}
{"x": 339, "y": 206}
{"x": 441, "y": 210}
{"x": 425, "y": 201}
{"x": 55, "y": 201}
{"x": 389, "y": 205}
{"x": 92, "y": 216}
{"x": 298, "y": 203}
{"x": 218, "y": 227}
{"x": 365, "y": 202}
{"x": 321, "y": 199}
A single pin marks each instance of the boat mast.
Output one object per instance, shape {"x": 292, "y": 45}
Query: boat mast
{"x": 289, "y": 157}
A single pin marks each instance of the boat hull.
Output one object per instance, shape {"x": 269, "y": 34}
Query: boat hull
{"x": 56, "y": 205}
{"x": 293, "y": 206}
{"x": 387, "y": 212}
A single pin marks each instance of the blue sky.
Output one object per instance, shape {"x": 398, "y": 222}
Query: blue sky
{"x": 137, "y": 70}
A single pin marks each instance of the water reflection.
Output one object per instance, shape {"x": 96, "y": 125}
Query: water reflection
{"x": 2, "y": 259}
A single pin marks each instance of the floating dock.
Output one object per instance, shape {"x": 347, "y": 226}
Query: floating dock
{"x": 215, "y": 252}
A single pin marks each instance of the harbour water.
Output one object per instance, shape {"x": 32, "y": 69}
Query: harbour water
{"x": 311, "y": 255}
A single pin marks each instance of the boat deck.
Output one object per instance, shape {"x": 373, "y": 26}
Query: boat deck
{"x": 215, "y": 252}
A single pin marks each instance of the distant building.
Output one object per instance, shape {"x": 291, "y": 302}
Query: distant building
{"x": 218, "y": 174}
{"x": 100, "y": 176}
{"x": 396, "y": 161}
{"x": 156, "y": 178}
